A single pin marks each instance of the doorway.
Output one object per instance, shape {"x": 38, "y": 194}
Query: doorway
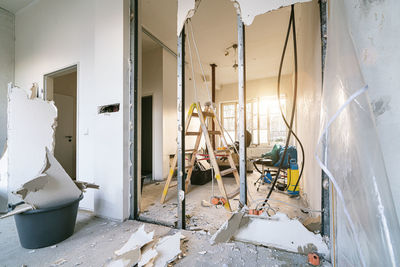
{"x": 147, "y": 137}
{"x": 61, "y": 87}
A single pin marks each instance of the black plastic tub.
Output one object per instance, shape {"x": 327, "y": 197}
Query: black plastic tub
{"x": 46, "y": 227}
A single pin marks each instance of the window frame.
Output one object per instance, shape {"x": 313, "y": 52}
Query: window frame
{"x": 252, "y": 101}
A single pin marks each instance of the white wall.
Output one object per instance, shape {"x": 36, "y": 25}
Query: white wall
{"x": 6, "y": 76}
{"x": 6, "y": 68}
{"x": 309, "y": 97}
{"x": 169, "y": 109}
{"x": 152, "y": 84}
{"x": 92, "y": 34}
{"x": 374, "y": 26}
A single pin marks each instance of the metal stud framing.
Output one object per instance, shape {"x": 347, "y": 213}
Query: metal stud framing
{"x": 181, "y": 130}
{"x": 133, "y": 117}
{"x": 242, "y": 110}
{"x": 325, "y": 189}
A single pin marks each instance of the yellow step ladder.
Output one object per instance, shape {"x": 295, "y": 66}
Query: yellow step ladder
{"x": 206, "y": 115}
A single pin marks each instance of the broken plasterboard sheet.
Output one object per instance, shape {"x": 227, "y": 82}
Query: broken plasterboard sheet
{"x": 31, "y": 128}
{"x": 136, "y": 241}
{"x": 4, "y": 180}
{"x": 168, "y": 249}
{"x": 228, "y": 229}
{"x": 128, "y": 259}
{"x": 281, "y": 232}
{"x": 51, "y": 188}
{"x": 248, "y": 10}
{"x": 19, "y": 209}
{"x": 147, "y": 256}
{"x": 186, "y": 9}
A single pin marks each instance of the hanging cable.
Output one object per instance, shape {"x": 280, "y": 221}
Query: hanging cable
{"x": 279, "y": 98}
{"x": 292, "y": 25}
{"x": 204, "y": 79}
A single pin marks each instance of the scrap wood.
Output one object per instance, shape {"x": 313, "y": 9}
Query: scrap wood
{"x": 59, "y": 262}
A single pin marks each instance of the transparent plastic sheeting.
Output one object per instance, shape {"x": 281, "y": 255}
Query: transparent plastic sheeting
{"x": 365, "y": 228}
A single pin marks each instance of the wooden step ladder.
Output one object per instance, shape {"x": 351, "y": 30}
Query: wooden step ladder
{"x": 205, "y": 115}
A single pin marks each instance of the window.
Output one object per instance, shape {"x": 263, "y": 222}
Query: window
{"x": 264, "y": 120}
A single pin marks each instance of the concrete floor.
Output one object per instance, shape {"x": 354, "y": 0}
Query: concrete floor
{"x": 211, "y": 218}
{"x": 96, "y": 239}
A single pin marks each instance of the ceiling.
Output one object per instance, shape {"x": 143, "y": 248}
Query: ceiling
{"x": 215, "y": 29}
{"x": 14, "y": 5}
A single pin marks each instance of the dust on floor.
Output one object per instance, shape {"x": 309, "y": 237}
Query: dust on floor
{"x": 211, "y": 218}
{"x": 96, "y": 239}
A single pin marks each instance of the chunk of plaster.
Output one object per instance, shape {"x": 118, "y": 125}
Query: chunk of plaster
{"x": 186, "y": 9}
{"x": 31, "y": 125}
{"x": 127, "y": 259}
{"x": 168, "y": 249}
{"x": 250, "y": 9}
{"x": 282, "y": 233}
{"x": 53, "y": 187}
{"x": 19, "y": 209}
{"x": 228, "y": 229}
{"x": 136, "y": 241}
{"x": 147, "y": 257}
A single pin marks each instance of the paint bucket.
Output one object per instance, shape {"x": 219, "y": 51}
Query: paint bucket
{"x": 45, "y": 227}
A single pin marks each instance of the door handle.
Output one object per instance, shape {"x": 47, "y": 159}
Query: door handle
{"x": 69, "y": 138}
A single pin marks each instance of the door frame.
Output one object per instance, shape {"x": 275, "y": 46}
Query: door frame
{"x": 48, "y": 78}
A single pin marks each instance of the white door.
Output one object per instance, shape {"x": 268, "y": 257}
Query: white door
{"x": 65, "y": 134}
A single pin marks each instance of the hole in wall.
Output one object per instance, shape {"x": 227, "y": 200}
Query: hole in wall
{"x": 108, "y": 108}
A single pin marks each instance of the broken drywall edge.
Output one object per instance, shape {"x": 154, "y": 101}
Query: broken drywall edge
{"x": 31, "y": 128}
{"x": 284, "y": 233}
{"x": 186, "y": 9}
{"x": 19, "y": 209}
{"x": 168, "y": 249}
{"x": 228, "y": 229}
{"x": 147, "y": 256}
{"x": 136, "y": 241}
{"x": 85, "y": 185}
{"x": 127, "y": 259}
{"x": 248, "y": 10}
{"x": 4, "y": 180}
{"x": 53, "y": 187}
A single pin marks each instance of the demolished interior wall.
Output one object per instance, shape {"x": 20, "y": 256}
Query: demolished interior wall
{"x": 6, "y": 76}
{"x": 248, "y": 9}
{"x": 93, "y": 35}
{"x": 31, "y": 129}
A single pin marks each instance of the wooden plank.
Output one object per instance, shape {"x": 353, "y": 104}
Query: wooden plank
{"x": 193, "y": 133}
{"x": 227, "y": 171}
{"x": 205, "y": 114}
{"x": 175, "y": 160}
{"x": 192, "y": 160}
